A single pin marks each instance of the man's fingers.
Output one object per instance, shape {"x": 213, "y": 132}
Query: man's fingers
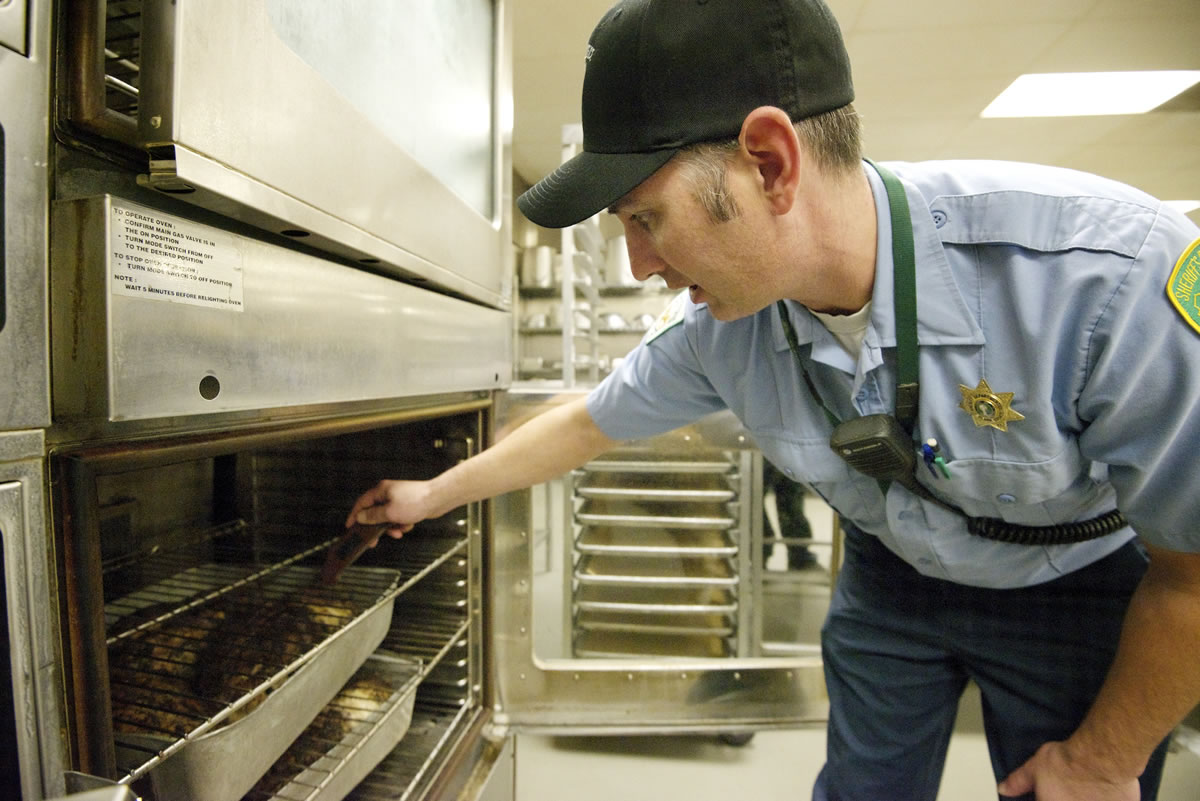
{"x": 371, "y": 516}
{"x": 370, "y": 499}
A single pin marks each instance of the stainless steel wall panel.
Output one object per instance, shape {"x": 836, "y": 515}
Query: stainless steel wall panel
{"x": 164, "y": 317}
{"x": 24, "y": 188}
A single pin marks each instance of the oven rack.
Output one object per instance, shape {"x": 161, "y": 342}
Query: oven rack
{"x": 426, "y": 626}
{"x": 431, "y": 647}
{"x": 404, "y": 772}
{"x": 426, "y": 560}
{"x": 175, "y": 655}
{"x": 126, "y": 573}
{"x": 234, "y": 566}
{"x": 343, "y": 743}
{"x": 122, "y": 55}
{"x": 437, "y": 641}
{"x": 293, "y": 627}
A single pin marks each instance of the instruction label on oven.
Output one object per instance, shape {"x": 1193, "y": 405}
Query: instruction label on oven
{"x": 161, "y": 257}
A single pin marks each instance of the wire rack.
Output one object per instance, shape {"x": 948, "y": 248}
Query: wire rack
{"x": 122, "y": 55}
{"x": 362, "y": 723}
{"x": 202, "y": 645}
{"x": 428, "y": 630}
{"x": 400, "y": 776}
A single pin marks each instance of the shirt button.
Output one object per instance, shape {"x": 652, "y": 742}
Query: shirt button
{"x": 1006, "y": 498}
{"x": 861, "y": 396}
{"x": 789, "y": 472}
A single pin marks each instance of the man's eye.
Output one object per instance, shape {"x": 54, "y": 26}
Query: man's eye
{"x": 642, "y": 221}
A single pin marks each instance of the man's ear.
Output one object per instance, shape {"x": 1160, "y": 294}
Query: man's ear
{"x": 770, "y": 141}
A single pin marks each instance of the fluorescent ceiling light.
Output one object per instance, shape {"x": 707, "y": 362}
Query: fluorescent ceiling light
{"x": 1076, "y": 94}
{"x": 1183, "y": 206}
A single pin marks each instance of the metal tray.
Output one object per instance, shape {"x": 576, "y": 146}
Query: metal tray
{"x": 656, "y": 600}
{"x": 655, "y": 466}
{"x": 628, "y": 644}
{"x": 224, "y": 763}
{"x": 655, "y": 542}
{"x": 349, "y": 737}
{"x": 605, "y": 569}
{"x": 671, "y": 495}
{"x": 664, "y": 624}
{"x": 657, "y": 487}
{"x": 656, "y": 515}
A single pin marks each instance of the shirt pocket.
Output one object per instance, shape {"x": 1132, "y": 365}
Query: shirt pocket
{"x": 1056, "y": 490}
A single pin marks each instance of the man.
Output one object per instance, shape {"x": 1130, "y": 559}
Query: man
{"x": 996, "y": 456}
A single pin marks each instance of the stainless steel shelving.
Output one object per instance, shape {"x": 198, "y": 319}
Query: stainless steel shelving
{"x": 661, "y": 558}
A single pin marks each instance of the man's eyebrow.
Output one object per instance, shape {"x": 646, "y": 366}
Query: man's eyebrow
{"x": 616, "y": 207}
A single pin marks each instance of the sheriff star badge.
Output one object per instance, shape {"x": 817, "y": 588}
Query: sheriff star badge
{"x": 988, "y": 408}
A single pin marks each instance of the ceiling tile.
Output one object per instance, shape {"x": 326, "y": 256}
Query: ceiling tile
{"x": 951, "y": 51}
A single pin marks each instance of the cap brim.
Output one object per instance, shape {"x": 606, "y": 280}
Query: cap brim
{"x": 588, "y": 184}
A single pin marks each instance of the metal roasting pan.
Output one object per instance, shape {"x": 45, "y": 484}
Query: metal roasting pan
{"x": 224, "y": 764}
{"x": 337, "y": 769}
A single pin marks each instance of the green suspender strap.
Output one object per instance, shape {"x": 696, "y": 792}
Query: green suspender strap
{"x": 905, "y": 300}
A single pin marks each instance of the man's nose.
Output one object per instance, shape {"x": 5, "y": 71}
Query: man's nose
{"x": 643, "y": 259}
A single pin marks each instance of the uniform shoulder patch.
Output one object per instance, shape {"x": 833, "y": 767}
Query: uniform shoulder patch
{"x": 670, "y": 317}
{"x": 1183, "y": 287}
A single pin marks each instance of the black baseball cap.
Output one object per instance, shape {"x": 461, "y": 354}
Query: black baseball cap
{"x": 663, "y": 74}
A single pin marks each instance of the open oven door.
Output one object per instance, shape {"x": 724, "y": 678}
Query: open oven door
{"x": 33, "y": 750}
{"x": 628, "y": 598}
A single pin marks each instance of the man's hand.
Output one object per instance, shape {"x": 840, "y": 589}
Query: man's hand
{"x": 400, "y": 504}
{"x": 547, "y": 446}
{"x": 1052, "y": 775}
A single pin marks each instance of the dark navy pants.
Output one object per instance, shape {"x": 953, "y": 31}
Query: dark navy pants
{"x": 900, "y": 647}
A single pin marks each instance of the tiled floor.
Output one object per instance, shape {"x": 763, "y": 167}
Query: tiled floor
{"x": 773, "y": 766}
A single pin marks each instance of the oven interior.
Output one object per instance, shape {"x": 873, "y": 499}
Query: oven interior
{"x": 227, "y": 667}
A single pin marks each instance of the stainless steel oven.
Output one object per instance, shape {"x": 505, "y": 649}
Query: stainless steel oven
{"x": 204, "y": 369}
{"x": 204, "y": 657}
{"x": 375, "y": 132}
{"x": 219, "y": 401}
{"x": 238, "y": 288}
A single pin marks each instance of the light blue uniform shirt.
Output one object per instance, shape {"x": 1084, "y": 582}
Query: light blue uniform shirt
{"x": 1047, "y": 283}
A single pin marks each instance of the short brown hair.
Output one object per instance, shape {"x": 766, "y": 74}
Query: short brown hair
{"x": 834, "y": 139}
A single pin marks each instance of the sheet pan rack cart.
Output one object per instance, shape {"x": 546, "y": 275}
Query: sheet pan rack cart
{"x": 661, "y": 561}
